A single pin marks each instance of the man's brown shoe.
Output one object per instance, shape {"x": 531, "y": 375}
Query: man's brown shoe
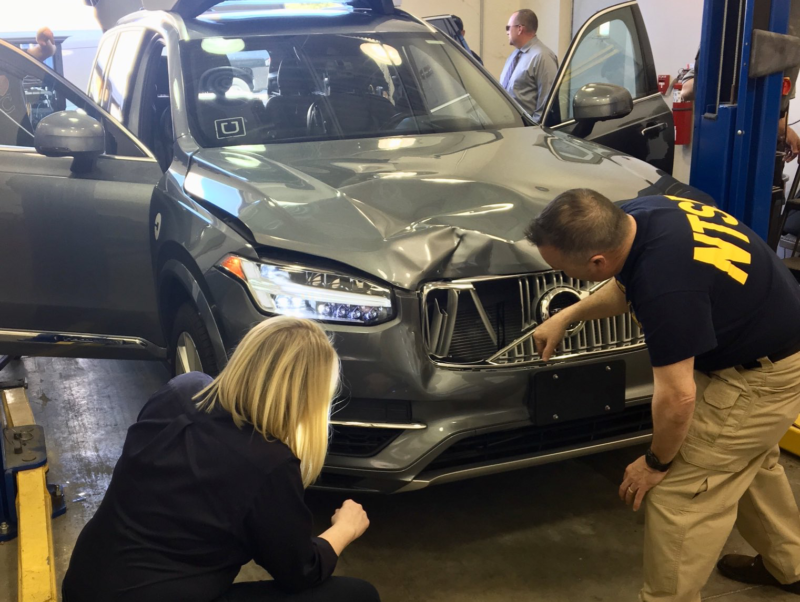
{"x": 749, "y": 569}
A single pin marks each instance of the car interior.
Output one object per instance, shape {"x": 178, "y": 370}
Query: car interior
{"x": 317, "y": 87}
{"x": 156, "y": 130}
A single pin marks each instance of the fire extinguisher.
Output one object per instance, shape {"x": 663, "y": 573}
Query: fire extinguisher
{"x": 682, "y": 116}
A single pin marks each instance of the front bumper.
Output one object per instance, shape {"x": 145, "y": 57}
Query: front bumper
{"x": 438, "y": 424}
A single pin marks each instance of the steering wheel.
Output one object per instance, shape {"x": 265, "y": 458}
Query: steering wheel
{"x": 316, "y": 123}
{"x": 398, "y": 118}
{"x": 219, "y": 80}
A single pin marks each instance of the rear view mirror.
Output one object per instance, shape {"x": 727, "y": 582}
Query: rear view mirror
{"x": 71, "y": 134}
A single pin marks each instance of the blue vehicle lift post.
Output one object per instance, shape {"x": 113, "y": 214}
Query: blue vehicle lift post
{"x": 738, "y": 95}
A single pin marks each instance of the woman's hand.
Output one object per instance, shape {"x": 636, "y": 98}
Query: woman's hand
{"x": 348, "y": 524}
{"x": 352, "y": 516}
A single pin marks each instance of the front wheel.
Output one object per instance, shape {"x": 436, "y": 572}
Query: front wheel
{"x": 190, "y": 344}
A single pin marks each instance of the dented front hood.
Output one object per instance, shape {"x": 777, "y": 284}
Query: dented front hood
{"x": 413, "y": 209}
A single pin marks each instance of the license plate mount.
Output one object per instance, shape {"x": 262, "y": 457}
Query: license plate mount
{"x": 562, "y": 394}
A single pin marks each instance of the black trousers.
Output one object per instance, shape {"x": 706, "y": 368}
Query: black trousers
{"x": 335, "y": 589}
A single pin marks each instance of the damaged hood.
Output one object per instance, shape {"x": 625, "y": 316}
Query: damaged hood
{"x": 415, "y": 208}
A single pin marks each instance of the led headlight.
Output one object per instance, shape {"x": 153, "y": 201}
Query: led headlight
{"x": 305, "y": 293}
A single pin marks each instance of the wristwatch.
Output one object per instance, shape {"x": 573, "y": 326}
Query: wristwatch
{"x": 654, "y": 463}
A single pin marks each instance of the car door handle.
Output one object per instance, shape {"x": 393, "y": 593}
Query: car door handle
{"x": 651, "y": 131}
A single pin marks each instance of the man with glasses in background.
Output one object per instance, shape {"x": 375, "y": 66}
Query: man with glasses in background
{"x": 531, "y": 70}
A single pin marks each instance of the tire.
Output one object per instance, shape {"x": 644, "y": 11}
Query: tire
{"x": 190, "y": 344}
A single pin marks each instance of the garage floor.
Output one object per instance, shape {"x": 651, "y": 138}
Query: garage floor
{"x": 556, "y": 533}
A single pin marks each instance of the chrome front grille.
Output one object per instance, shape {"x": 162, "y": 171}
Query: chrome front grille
{"x": 487, "y": 322}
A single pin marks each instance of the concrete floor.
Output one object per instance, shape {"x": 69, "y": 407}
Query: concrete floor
{"x": 556, "y": 533}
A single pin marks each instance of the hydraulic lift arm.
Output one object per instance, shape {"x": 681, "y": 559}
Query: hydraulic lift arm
{"x": 27, "y": 503}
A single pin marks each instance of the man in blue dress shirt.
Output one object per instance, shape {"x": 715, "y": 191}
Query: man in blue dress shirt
{"x": 531, "y": 70}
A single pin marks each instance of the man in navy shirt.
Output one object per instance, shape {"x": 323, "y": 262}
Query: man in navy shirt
{"x": 721, "y": 318}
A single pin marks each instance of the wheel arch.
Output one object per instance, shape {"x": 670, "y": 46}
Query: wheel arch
{"x": 180, "y": 280}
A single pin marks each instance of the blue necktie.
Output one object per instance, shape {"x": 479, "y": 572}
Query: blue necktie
{"x": 511, "y": 69}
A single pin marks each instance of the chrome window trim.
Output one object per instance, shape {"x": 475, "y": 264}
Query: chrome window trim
{"x": 124, "y": 158}
{"x": 636, "y": 101}
{"x": 20, "y": 149}
{"x": 32, "y": 151}
{"x": 77, "y": 338}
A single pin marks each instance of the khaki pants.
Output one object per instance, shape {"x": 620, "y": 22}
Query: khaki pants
{"x": 727, "y": 472}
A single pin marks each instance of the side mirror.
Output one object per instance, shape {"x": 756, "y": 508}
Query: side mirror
{"x": 71, "y": 134}
{"x": 599, "y": 102}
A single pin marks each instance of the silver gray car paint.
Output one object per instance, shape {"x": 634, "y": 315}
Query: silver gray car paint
{"x": 443, "y": 206}
{"x": 469, "y": 208}
{"x": 80, "y": 245}
{"x": 601, "y": 102}
{"x": 389, "y": 362}
{"x": 69, "y": 134}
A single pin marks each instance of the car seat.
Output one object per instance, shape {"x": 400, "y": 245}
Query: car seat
{"x": 350, "y": 110}
{"x": 163, "y": 137}
{"x": 286, "y": 114}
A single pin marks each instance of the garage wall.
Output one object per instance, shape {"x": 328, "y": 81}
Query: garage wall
{"x": 485, "y": 24}
{"x": 59, "y": 15}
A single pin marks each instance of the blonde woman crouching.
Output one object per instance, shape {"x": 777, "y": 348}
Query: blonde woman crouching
{"x": 212, "y": 476}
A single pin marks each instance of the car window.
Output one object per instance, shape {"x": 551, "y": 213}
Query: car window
{"x": 608, "y": 53}
{"x": 121, "y": 71}
{"x": 329, "y": 86}
{"x": 445, "y": 24}
{"x": 53, "y": 61}
{"x": 29, "y": 93}
{"x": 98, "y": 76}
{"x": 443, "y": 87}
{"x": 153, "y": 124}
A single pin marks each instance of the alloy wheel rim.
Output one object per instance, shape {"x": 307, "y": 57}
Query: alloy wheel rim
{"x": 187, "y": 359}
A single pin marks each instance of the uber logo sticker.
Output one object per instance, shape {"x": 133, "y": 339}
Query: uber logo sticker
{"x": 230, "y": 128}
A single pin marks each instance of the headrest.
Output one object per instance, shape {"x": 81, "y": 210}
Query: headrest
{"x": 293, "y": 79}
{"x": 342, "y": 77}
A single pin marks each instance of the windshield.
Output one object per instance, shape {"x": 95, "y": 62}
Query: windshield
{"x": 332, "y": 86}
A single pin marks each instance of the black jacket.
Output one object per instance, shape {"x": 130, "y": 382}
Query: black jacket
{"x": 191, "y": 500}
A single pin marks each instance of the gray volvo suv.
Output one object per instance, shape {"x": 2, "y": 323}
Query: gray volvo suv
{"x": 342, "y": 161}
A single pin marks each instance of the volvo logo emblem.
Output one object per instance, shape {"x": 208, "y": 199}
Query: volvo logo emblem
{"x": 556, "y": 300}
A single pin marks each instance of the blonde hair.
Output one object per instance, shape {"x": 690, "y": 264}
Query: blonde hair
{"x": 281, "y": 379}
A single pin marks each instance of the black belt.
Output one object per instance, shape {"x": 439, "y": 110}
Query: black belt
{"x": 774, "y": 357}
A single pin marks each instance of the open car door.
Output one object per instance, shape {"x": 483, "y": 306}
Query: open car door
{"x": 613, "y": 47}
{"x": 447, "y": 24}
{"x": 76, "y": 274}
